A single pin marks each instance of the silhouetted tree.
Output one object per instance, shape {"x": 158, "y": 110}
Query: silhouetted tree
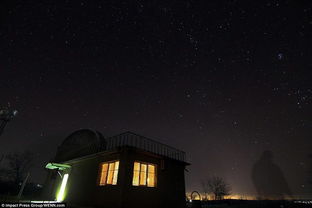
{"x": 217, "y": 186}
{"x": 1, "y": 158}
{"x": 18, "y": 165}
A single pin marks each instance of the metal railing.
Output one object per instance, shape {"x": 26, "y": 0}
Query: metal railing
{"x": 144, "y": 143}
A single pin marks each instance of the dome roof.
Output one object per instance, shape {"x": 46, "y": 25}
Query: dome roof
{"x": 82, "y": 138}
{"x": 80, "y": 143}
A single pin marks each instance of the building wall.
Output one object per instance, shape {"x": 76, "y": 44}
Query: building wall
{"x": 83, "y": 188}
{"x": 170, "y": 189}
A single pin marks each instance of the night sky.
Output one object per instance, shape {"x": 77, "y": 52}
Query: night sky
{"x": 221, "y": 80}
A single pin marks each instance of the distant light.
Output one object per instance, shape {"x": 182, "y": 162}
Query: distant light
{"x": 280, "y": 56}
{"x": 15, "y": 112}
{"x": 190, "y": 200}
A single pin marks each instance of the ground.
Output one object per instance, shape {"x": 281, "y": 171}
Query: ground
{"x": 252, "y": 204}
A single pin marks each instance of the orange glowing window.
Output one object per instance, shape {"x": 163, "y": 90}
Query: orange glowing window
{"x": 144, "y": 174}
{"x": 109, "y": 173}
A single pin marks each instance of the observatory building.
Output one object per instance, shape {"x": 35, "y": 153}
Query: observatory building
{"x": 126, "y": 170}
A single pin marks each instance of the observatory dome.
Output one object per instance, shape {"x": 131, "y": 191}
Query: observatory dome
{"x": 80, "y": 143}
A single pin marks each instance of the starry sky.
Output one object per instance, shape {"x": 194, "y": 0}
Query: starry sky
{"x": 222, "y": 80}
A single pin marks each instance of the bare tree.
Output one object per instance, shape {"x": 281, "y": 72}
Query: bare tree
{"x": 216, "y": 186}
{"x": 1, "y": 158}
{"x": 18, "y": 165}
{"x": 6, "y": 115}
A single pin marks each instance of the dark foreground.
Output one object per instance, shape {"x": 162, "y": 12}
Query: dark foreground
{"x": 251, "y": 204}
{"x": 194, "y": 204}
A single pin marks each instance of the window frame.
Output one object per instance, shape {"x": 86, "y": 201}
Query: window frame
{"x": 146, "y": 174}
{"x": 106, "y": 177}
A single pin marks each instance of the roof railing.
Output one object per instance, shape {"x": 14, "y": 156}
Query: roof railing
{"x": 144, "y": 143}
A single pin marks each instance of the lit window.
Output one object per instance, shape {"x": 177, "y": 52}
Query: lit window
{"x": 144, "y": 174}
{"x": 109, "y": 173}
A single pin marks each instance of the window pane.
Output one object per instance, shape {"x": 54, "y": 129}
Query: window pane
{"x": 151, "y": 176}
{"x": 136, "y": 171}
{"x": 143, "y": 174}
{"x": 116, "y": 173}
{"x": 110, "y": 173}
{"x": 103, "y": 174}
{"x": 151, "y": 168}
{"x": 116, "y": 165}
{"x": 136, "y": 166}
{"x": 151, "y": 180}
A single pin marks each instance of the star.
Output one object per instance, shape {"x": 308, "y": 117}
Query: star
{"x": 280, "y": 56}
